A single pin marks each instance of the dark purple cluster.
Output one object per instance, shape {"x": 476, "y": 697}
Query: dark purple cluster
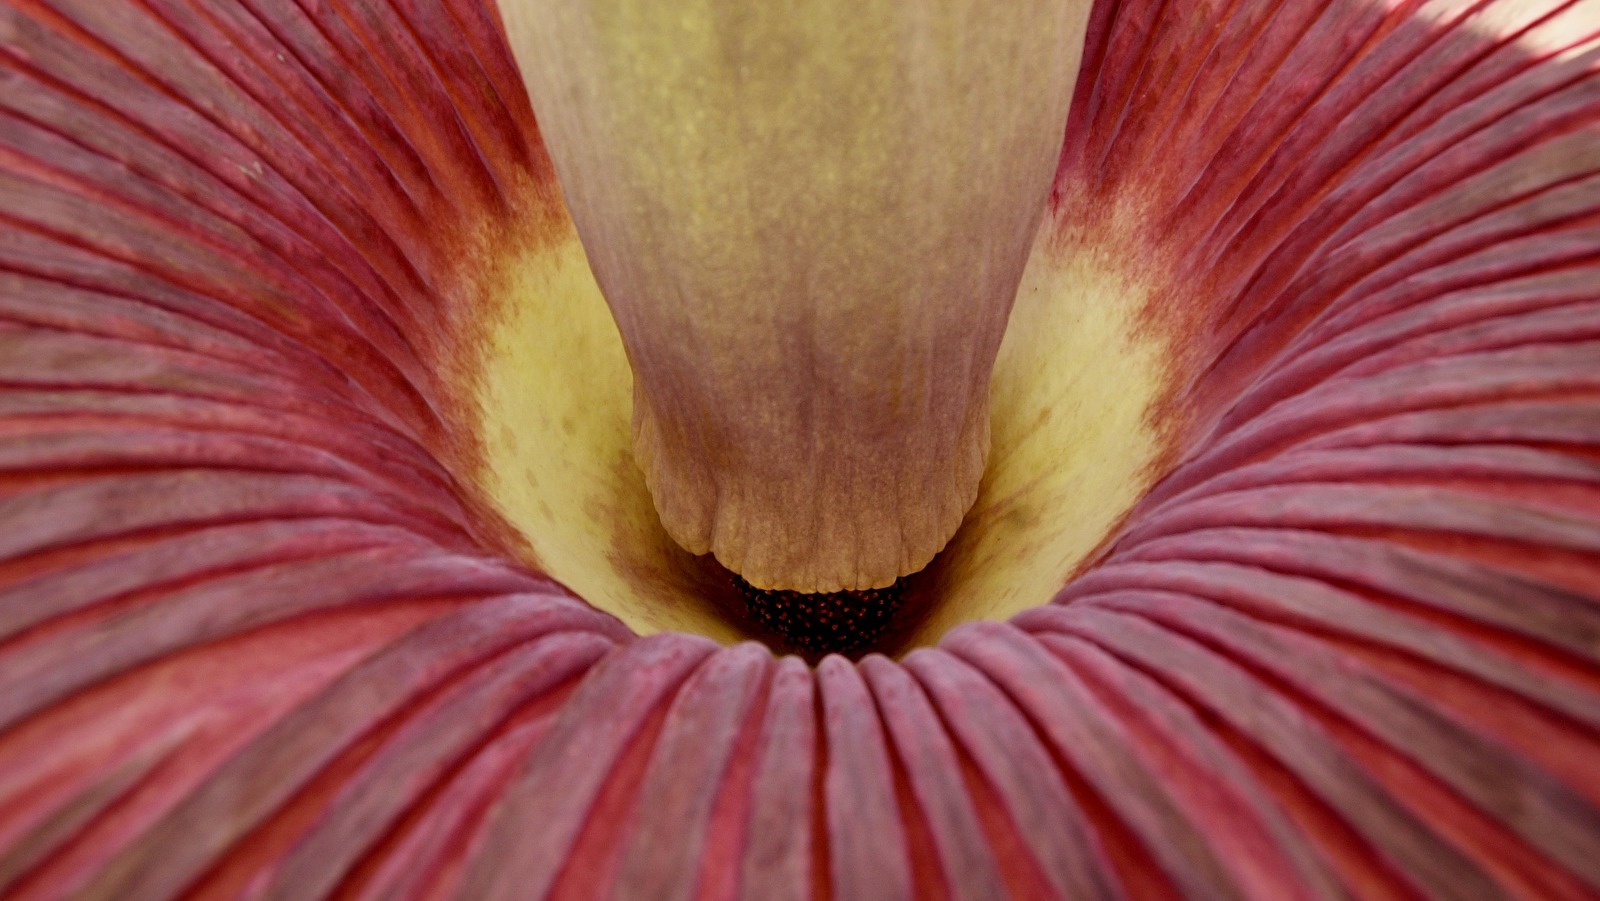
{"x": 839, "y": 622}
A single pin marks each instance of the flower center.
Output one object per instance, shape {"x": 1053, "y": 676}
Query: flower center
{"x": 821, "y": 623}
{"x": 1073, "y": 447}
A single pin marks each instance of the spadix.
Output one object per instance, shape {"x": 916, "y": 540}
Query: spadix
{"x": 809, "y": 220}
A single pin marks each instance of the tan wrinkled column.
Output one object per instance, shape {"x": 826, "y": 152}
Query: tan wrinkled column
{"x": 809, "y": 219}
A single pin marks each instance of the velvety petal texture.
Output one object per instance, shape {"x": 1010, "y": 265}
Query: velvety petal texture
{"x": 261, "y": 635}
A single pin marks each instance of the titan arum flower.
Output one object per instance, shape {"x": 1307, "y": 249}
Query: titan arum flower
{"x": 1217, "y": 383}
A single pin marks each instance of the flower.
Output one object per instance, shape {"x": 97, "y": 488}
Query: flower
{"x": 273, "y": 620}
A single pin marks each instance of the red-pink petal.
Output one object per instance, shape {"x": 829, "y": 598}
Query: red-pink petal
{"x": 257, "y": 638}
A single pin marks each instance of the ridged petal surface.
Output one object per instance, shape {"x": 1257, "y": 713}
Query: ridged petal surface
{"x": 259, "y": 636}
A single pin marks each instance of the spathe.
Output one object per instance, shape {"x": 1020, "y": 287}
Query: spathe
{"x": 1345, "y": 644}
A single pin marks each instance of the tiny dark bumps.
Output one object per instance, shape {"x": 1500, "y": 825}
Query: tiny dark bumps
{"x": 839, "y": 622}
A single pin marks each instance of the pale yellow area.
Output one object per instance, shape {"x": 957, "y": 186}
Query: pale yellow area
{"x": 555, "y": 397}
{"x": 1072, "y": 443}
{"x": 1569, "y": 35}
{"x": 1072, "y": 447}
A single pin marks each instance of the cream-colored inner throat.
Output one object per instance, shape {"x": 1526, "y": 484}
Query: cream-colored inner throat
{"x": 1072, "y": 446}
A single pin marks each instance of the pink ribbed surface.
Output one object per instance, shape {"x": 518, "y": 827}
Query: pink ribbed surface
{"x": 256, "y": 639}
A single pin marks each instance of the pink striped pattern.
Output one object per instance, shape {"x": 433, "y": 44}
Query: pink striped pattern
{"x": 257, "y": 638}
